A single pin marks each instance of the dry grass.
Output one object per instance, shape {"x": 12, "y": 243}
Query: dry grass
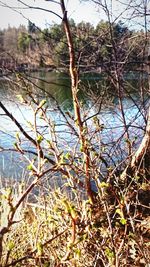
{"x": 58, "y": 231}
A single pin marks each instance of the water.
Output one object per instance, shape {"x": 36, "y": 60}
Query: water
{"x": 55, "y": 88}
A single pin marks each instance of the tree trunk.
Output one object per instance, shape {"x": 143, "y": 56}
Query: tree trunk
{"x": 143, "y": 152}
{"x": 140, "y": 161}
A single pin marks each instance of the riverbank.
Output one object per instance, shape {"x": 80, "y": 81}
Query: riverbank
{"x": 62, "y": 230}
{"x": 128, "y": 74}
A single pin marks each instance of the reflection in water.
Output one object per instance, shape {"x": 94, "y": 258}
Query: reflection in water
{"x": 56, "y": 86}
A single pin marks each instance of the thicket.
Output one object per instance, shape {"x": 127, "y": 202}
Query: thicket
{"x": 99, "y": 214}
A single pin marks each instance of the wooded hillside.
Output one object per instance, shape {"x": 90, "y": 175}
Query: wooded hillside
{"x": 35, "y": 48}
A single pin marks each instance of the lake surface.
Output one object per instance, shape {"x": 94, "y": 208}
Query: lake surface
{"x": 94, "y": 99}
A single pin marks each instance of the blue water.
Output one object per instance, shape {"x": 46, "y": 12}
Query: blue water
{"x": 111, "y": 141}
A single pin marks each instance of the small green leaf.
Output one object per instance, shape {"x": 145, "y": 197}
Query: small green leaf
{"x": 39, "y": 139}
{"x": 78, "y": 253}
{"x": 42, "y": 103}
{"x": 39, "y": 249}
{"x": 109, "y": 254}
{"x": 81, "y": 148}
{"x": 18, "y": 137}
{"x": 123, "y": 221}
{"x": 67, "y": 155}
{"x": 84, "y": 131}
{"x": 30, "y": 167}
{"x": 118, "y": 211}
{"x": 62, "y": 159}
{"x": 103, "y": 184}
{"x": 15, "y": 145}
{"x": 10, "y": 245}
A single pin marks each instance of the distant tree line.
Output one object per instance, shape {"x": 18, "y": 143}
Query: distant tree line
{"x": 34, "y": 47}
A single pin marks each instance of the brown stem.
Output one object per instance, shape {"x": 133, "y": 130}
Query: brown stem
{"x": 74, "y": 87}
{"x": 19, "y": 126}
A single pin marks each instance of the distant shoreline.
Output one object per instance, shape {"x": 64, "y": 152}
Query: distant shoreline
{"x": 25, "y": 68}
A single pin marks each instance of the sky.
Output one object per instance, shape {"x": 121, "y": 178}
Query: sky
{"x": 78, "y": 10}
{"x": 84, "y": 11}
